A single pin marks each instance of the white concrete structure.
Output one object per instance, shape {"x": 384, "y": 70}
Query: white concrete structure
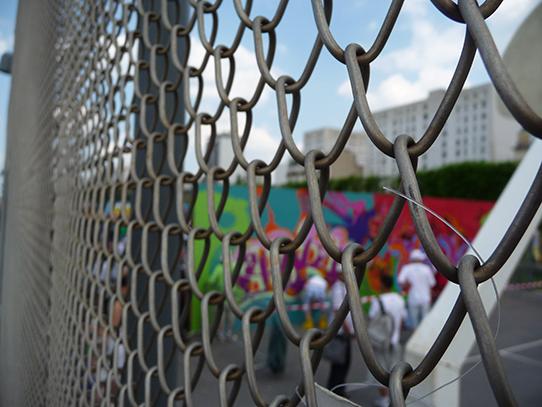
{"x": 486, "y": 241}
{"x": 523, "y": 59}
{"x": 524, "y": 67}
{"x": 475, "y": 131}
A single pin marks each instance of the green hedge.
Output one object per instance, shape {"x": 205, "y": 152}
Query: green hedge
{"x": 471, "y": 180}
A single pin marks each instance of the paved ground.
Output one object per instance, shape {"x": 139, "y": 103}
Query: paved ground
{"x": 520, "y": 344}
{"x": 520, "y": 336}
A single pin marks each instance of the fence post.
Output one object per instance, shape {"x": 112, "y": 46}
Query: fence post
{"x": 154, "y": 243}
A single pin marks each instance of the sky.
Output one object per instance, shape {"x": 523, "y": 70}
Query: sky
{"x": 8, "y": 11}
{"x": 420, "y": 56}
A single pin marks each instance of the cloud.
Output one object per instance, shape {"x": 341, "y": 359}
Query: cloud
{"x": 373, "y": 25}
{"x": 359, "y": 3}
{"x": 507, "y": 19}
{"x": 415, "y": 8}
{"x": 6, "y": 44}
{"x": 425, "y": 64}
{"x": 261, "y": 143}
{"x": 428, "y": 60}
{"x": 282, "y": 48}
{"x": 429, "y": 46}
{"x": 395, "y": 90}
{"x": 512, "y": 11}
{"x": 246, "y": 78}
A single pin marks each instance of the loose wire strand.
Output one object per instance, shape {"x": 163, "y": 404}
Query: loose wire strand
{"x": 364, "y": 385}
{"x": 479, "y": 257}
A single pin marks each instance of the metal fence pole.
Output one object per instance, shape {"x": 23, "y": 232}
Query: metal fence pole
{"x": 146, "y": 135}
{"x": 27, "y": 242}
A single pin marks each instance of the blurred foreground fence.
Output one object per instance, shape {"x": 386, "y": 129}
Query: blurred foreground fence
{"x": 99, "y": 264}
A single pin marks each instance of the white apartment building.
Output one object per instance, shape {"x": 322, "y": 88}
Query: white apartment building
{"x": 475, "y": 131}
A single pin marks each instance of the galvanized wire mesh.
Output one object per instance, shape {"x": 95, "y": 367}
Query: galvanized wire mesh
{"x": 113, "y": 328}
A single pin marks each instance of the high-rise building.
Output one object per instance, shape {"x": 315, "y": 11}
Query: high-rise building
{"x": 475, "y": 131}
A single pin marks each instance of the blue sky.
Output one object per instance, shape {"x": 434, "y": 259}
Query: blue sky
{"x": 8, "y": 10}
{"x": 420, "y": 56}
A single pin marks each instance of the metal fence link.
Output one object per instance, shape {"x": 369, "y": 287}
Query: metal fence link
{"x": 122, "y": 267}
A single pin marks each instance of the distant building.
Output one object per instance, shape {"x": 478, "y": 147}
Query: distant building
{"x": 325, "y": 138}
{"x": 349, "y": 162}
{"x": 222, "y": 156}
{"x": 346, "y": 166}
{"x": 523, "y": 142}
{"x": 475, "y": 131}
{"x": 294, "y": 172}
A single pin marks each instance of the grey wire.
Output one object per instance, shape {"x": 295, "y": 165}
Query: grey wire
{"x": 436, "y": 215}
{"x": 471, "y": 246}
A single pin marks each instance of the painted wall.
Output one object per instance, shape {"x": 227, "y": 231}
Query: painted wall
{"x": 351, "y": 217}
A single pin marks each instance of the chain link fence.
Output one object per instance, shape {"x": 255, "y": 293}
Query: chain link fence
{"x": 100, "y": 259}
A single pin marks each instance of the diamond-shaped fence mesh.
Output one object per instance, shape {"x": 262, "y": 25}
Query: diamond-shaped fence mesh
{"x": 100, "y": 243}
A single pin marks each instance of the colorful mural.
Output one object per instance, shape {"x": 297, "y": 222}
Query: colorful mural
{"x": 351, "y": 216}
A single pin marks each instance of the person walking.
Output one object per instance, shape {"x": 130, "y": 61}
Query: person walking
{"x": 277, "y": 346}
{"x": 314, "y": 298}
{"x": 392, "y": 304}
{"x": 339, "y": 368}
{"x": 417, "y": 279}
{"x": 389, "y": 305}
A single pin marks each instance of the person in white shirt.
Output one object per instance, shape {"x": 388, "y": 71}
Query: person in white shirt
{"x": 417, "y": 279}
{"x": 393, "y": 304}
{"x": 314, "y": 292}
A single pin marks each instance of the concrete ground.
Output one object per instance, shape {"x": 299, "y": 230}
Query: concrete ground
{"x": 520, "y": 344}
{"x": 520, "y": 339}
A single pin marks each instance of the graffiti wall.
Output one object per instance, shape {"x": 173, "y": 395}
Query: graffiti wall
{"x": 352, "y": 217}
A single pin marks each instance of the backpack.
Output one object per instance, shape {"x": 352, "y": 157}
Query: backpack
{"x": 380, "y": 329}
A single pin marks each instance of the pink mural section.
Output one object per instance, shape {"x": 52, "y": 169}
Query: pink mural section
{"x": 465, "y": 215}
